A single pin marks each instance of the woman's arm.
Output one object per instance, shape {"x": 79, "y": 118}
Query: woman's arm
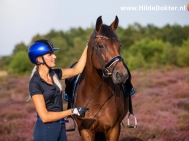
{"x": 47, "y": 116}
{"x": 70, "y": 72}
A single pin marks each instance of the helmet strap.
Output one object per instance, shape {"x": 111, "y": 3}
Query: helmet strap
{"x": 43, "y": 63}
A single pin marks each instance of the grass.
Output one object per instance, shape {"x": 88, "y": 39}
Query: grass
{"x": 161, "y": 105}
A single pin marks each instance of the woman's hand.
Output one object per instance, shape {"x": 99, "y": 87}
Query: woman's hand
{"x": 70, "y": 72}
{"x": 80, "y": 111}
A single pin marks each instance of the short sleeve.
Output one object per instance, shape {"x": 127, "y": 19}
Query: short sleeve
{"x": 34, "y": 88}
{"x": 58, "y": 72}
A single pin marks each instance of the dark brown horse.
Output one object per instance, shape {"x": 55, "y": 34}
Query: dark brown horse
{"x": 100, "y": 88}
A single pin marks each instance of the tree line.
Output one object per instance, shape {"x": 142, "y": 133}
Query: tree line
{"x": 142, "y": 47}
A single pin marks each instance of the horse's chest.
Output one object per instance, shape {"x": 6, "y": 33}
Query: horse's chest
{"x": 106, "y": 115}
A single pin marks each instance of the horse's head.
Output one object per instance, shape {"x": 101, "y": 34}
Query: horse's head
{"x": 104, "y": 48}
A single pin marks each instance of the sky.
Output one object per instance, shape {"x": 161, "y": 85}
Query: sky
{"x": 20, "y": 20}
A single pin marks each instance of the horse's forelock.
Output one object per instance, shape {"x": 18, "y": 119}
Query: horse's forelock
{"x": 108, "y": 32}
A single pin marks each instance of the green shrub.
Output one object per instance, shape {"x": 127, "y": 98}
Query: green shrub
{"x": 136, "y": 61}
{"x": 169, "y": 55}
{"x": 150, "y": 49}
{"x": 183, "y": 54}
{"x": 20, "y": 64}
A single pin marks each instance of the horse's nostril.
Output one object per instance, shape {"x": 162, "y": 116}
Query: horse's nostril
{"x": 127, "y": 77}
{"x": 118, "y": 76}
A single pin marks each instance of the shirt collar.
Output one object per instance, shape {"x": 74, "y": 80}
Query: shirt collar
{"x": 51, "y": 72}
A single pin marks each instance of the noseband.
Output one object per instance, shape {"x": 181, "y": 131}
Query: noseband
{"x": 105, "y": 66}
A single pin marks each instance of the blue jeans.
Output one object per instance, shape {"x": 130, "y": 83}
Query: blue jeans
{"x": 52, "y": 131}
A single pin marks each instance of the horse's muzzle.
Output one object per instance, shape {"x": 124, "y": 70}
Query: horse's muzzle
{"x": 120, "y": 76}
{"x": 115, "y": 68}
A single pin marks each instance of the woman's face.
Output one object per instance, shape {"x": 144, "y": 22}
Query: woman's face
{"x": 50, "y": 59}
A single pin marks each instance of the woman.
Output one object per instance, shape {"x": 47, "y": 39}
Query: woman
{"x": 46, "y": 91}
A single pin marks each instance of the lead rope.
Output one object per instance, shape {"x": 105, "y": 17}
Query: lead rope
{"x": 100, "y": 81}
{"x": 101, "y": 64}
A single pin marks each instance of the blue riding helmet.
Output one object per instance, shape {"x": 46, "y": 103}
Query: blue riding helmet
{"x": 39, "y": 48}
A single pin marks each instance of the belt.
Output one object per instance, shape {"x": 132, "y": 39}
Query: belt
{"x": 62, "y": 121}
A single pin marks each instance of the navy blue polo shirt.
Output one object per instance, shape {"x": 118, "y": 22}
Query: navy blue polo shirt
{"x": 51, "y": 92}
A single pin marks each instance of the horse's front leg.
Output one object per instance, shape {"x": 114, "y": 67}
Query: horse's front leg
{"x": 86, "y": 135}
{"x": 113, "y": 134}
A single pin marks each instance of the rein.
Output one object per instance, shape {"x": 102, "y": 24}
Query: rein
{"x": 105, "y": 71}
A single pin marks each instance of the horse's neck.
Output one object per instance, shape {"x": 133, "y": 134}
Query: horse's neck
{"x": 93, "y": 79}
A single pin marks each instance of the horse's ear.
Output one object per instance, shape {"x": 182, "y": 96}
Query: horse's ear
{"x": 114, "y": 24}
{"x": 98, "y": 23}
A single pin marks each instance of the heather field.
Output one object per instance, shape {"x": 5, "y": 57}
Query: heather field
{"x": 161, "y": 104}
